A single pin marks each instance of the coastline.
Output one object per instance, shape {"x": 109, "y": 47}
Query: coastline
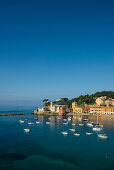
{"x": 13, "y": 114}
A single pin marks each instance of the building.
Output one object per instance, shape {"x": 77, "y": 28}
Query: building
{"x": 100, "y": 100}
{"x": 101, "y": 110}
{"x": 86, "y": 109}
{"x": 75, "y": 108}
{"x": 109, "y": 102}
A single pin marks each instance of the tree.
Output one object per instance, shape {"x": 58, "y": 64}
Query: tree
{"x": 45, "y": 100}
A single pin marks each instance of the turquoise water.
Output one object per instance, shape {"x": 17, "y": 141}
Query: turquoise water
{"x": 45, "y": 148}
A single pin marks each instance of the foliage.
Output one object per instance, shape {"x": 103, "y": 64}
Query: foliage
{"x": 86, "y": 99}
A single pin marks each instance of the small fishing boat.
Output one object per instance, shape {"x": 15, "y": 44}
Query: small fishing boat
{"x": 37, "y": 122}
{"x": 81, "y": 124}
{"x": 21, "y": 121}
{"x": 47, "y": 123}
{"x": 69, "y": 118}
{"x": 89, "y": 133}
{"x": 73, "y": 124}
{"x": 97, "y": 128}
{"x": 65, "y": 123}
{"x": 27, "y": 130}
{"x": 89, "y": 124}
{"x": 64, "y": 133}
{"x": 72, "y": 130}
{"x": 65, "y": 119}
{"x": 30, "y": 123}
{"x": 76, "y": 134}
{"x": 36, "y": 118}
{"x": 103, "y": 136}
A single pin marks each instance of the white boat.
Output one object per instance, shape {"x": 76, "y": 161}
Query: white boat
{"x": 81, "y": 124}
{"x": 27, "y": 130}
{"x": 65, "y": 119}
{"x": 64, "y": 133}
{"x": 89, "y": 124}
{"x": 65, "y": 123}
{"x": 101, "y": 126}
{"x": 97, "y": 128}
{"x": 72, "y": 130}
{"x": 103, "y": 136}
{"x": 69, "y": 119}
{"x": 47, "y": 123}
{"x": 76, "y": 134}
{"x": 21, "y": 121}
{"x": 30, "y": 123}
{"x": 89, "y": 133}
{"x": 49, "y": 118}
{"x": 37, "y": 122}
{"x": 73, "y": 124}
{"x": 36, "y": 118}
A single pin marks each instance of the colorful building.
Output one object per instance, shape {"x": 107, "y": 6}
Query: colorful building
{"x": 102, "y": 110}
{"x": 100, "y": 100}
{"x": 109, "y": 102}
{"x": 76, "y": 108}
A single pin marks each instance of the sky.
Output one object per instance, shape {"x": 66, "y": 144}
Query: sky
{"x": 55, "y": 48}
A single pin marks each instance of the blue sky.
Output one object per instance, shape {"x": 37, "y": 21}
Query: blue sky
{"x": 52, "y": 49}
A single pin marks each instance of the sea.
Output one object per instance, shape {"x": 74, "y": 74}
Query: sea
{"x": 45, "y": 148}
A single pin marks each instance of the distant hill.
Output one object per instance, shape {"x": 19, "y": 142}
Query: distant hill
{"x": 86, "y": 99}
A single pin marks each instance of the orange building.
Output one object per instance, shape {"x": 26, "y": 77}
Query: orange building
{"x": 86, "y": 109}
{"x": 102, "y": 110}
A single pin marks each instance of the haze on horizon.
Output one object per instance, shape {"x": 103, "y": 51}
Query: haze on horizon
{"x": 52, "y": 49}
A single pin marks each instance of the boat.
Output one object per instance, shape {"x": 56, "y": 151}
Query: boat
{"x": 37, "y": 122}
{"x": 47, "y": 123}
{"x": 97, "y": 128}
{"x": 21, "y": 121}
{"x": 65, "y": 123}
{"x": 101, "y": 126}
{"x": 65, "y": 119}
{"x": 36, "y": 118}
{"x": 76, "y": 134}
{"x": 103, "y": 136}
{"x": 69, "y": 118}
{"x": 27, "y": 130}
{"x": 89, "y": 133}
{"x": 64, "y": 133}
{"x": 49, "y": 118}
{"x": 89, "y": 124}
{"x": 72, "y": 130}
{"x": 30, "y": 123}
{"x": 73, "y": 124}
{"x": 81, "y": 124}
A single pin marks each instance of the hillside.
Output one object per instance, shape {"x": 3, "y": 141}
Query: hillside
{"x": 86, "y": 99}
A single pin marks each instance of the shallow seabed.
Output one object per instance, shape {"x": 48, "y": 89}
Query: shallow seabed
{"x": 45, "y": 148}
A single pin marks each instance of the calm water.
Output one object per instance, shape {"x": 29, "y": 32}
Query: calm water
{"x": 45, "y": 148}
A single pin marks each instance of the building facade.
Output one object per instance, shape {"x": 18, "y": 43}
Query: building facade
{"x": 76, "y": 108}
{"x": 100, "y": 100}
{"x": 101, "y": 110}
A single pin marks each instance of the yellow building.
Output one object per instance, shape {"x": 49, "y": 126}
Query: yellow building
{"x": 100, "y": 100}
{"x": 75, "y": 108}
